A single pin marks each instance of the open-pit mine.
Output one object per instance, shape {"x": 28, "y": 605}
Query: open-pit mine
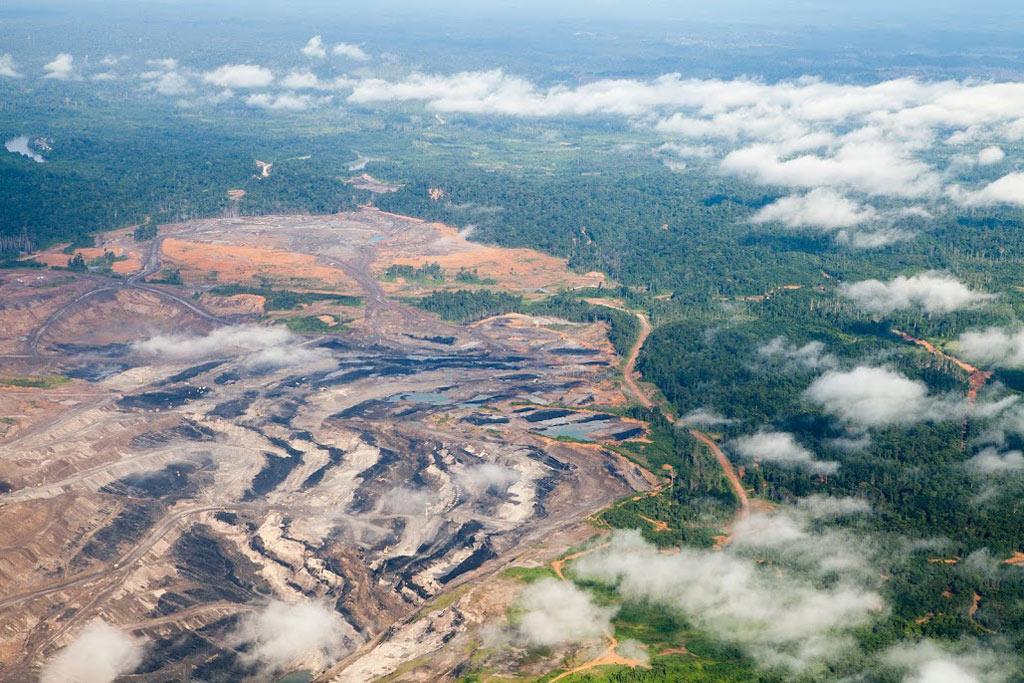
{"x": 246, "y": 412}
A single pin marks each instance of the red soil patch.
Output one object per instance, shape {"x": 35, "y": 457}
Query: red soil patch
{"x": 239, "y": 263}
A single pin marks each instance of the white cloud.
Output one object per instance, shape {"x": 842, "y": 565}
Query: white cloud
{"x": 61, "y": 68}
{"x": 822, "y": 208}
{"x": 871, "y": 167}
{"x": 990, "y": 155}
{"x": 928, "y": 661}
{"x": 284, "y": 101}
{"x": 992, "y": 461}
{"x": 873, "y": 239}
{"x": 558, "y": 612}
{"x": 875, "y": 397}
{"x": 993, "y": 346}
{"x": 8, "y": 69}
{"x": 488, "y": 477}
{"x": 350, "y": 51}
{"x": 703, "y": 417}
{"x": 825, "y": 506}
{"x": 811, "y": 356}
{"x": 782, "y": 449}
{"x": 240, "y": 76}
{"x": 778, "y": 617}
{"x": 1007, "y": 190}
{"x": 267, "y": 347}
{"x": 167, "y": 63}
{"x": 315, "y": 48}
{"x": 283, "y": 635}
{"x": 104, "y": 76}
{"x": 930, "y": 292}
{"x": 99, "y": 654}
{"x": 172, "y": 83}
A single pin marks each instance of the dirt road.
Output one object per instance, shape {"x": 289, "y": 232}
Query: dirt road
{"x": 730, "y": 472}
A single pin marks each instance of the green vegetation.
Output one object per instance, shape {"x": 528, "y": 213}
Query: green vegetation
{"x": 468, "y": 305}
{"x": 286, "y": 300}
{"x": 312, "y": 324}
{"x": 427, "y": 272}
{"x": 34, "y": 381}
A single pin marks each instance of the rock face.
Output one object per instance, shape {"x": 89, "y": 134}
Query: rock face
{"x": 175, "y": 495}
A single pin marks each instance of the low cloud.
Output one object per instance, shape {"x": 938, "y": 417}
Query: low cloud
{"x": 350, "y": 51}
{"x": 315, "y": 48}
{"x": 810, "y": 356}
{"x": 268, "y": 347}
{"x": 99, "y": 654}
{"x": 1007, "y": 190}
{"x": 703, "y": 417}
{"x": 930, "y": 292}
{"x": 990, "y": 155}
{"x": 8, "y": 69}
{"x": 407, "y": 502}
{"x": 285, "y": 635}
{"x": 875, "y": 397}
{"x": 928, "y": 661}
{"x": 781, "y": 448}
{"x": 993, "y": 346}
{"x": 489, "y": 477}
{"x": 820, "y": 208}
{"x": 778, "y": 617}
{"x": 819, "y": 506}
{"x": 556, "y": 612}
{"x": 873, "y": 239}
{"x": 172, "y": 83}
{"x": 240, "y": 76}
{"x": 992, "y": 461}
{"x": 284, "y": 101}
{"x": 61, "y": 68}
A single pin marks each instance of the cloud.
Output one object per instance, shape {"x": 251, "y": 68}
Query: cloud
{"x": 8, "y": 68}
{"x": 928, "y": 661}
{"x": 1007, "y": 190}
{"x": 99, "y": 654}
{"x": 818, "y": 506}
{"x": 930, "y": 292}
{"x": 873, "y": 239}
{"x": 991, "y": 461}
{"x": 350, "y": 51}
{"x": 407, "y": 502}
{"x": 240, "y": 76}
{"x": 489, "y": 477}
{"x": 990, "y": 155}
{"x": 780, "y": 618}
{"x": 285, "y": 101}
{"x": 781, "y": 448}
{"x": 284, "y": 635}
{"x": 61, "y": 68}
{"x": 871, "y": 167}
{"x": 267, "y": 347}
{"x": 315, "y": 48}
{"x": 993, "y": 346}
{"x": 703, "y": 417}
{"x": 172, "y": 83}
{"x": 821, "y": 208}
{"x": 876, "y": 397}
{"x": 810, "y": 356}
{"x": 557, "y": 612}
{"x": 104, "y": 76}
{"x": 167, "y": 63}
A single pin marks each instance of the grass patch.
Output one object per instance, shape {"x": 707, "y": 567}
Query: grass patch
{"x": 529, "y": 574}
{"x": 312, "y": 324}
{"x": 286, "y": 299}
{"x": 34, "y": 381}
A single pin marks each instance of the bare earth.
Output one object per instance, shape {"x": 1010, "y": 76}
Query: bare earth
{"x": 169, "y": 495}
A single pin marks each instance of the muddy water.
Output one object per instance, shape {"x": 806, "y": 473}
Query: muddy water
{"x": 19, "y": 145}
